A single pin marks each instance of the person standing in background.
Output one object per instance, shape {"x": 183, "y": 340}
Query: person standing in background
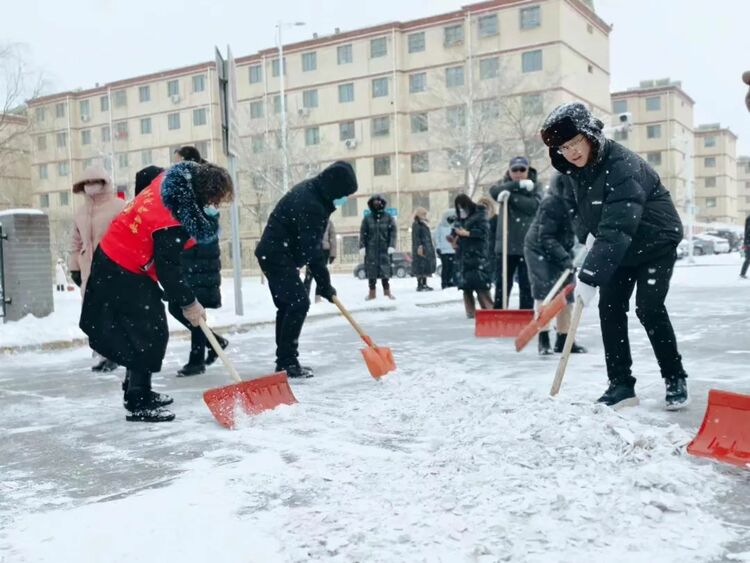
{"x": 445, "y": 250}
{"x": 746, "y": 249}
{"x": 377, "y": 241}
{"x": 423, "y": 263}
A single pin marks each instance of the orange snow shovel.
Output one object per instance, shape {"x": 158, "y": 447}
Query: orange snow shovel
{"x": 502, "y": 323}
{"x": 724, "y": 434}
{"x": 250, "y": 397}
{"x": 379, "y": 360}
{"x": 551, "y": 307}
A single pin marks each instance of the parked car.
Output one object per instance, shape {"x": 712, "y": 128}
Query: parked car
{"x": 734, "y": 237}
{"x": 700, "y": 247}
{"x": 720, "y": 245}
{"x": 401, "y": 262}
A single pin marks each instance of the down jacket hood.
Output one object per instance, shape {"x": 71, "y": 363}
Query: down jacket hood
{"x": 336, "y": 181}
{"x": 178, "y": 196}
{"x": 94, "y": 172}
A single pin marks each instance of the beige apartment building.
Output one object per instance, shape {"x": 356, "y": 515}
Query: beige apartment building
{"x": 661, "y": 132}
{"x": 743, "y": 188}
{"x": 716, "y": 175}
{"x": 15, "y": 182}
{"x": 423, "y": 110}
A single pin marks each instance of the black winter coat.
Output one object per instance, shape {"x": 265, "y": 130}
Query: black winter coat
{"x": 421, "y": 236}
{"x": 747, "y": 233}
{"x": 622, "y": 201}
{"x": 201, "y": 266}
{"x": 472, "y": 270}
{"x": 492, "y": 236}
{"x": 522, "y": 206}
{"x": 377, "y": 233}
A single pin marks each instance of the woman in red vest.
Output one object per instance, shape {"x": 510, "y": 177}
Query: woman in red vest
{"x": 123, "y": 313}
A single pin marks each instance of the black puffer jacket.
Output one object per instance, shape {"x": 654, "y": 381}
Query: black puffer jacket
{"x": 201, "y": 266}
{"x": 473, "y": 266}
{"x": 426, "y": 264}
{"x": 746, "y": 238}
{"x": 522, "y": 206}
{"x": 377, "y": 233}
{"x": 620, "y": 200}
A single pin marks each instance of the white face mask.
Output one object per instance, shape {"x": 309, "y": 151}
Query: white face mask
{"x": 463, "y": 214}
{"x": 93, "y": 189}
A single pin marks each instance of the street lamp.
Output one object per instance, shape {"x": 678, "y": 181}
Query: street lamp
{"x": 280, "y": 44}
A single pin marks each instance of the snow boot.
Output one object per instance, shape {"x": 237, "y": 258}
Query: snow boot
{"x": 141, "y": 407}
{"x": 560, "y": 344}
{"x": 371, "y": 295}
{"x": 619, "y": 395}
{"x": 544, "y": 346}
{"x": 388, "y": 294}
{"x": 190, "y": 369}
{"x": 160, "y": 399}
{"x": 677, "y": 393}
{"x": 297, "y": 371}
{"x": 212, "y": 356}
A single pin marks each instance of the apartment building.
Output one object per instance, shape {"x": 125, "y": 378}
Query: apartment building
{"x": 743, "y": 188}
{"x": 716, "y": 174}
{"x": 423, "y": 110}
{"x": 662, "y": 131}
{"x": 15, "y": 182}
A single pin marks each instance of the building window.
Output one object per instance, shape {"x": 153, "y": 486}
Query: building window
{"x": 454, "y": 76}
{"x": 275, "y": 67}
{"x": 710, "y": 202}
{"x": 43, "y": 172}
{"x": 346, "y": 93}
{"x": 312, "y": 136}
{"x": 62, "y": 140}
{"x": 199, "y": 83}
{"x": 455, "y": 159}
{"x": 258, "y": 144}
{"x": 44, "y": 200}
{"x": 381, "y": 126}
{"x": 420, "y": 162}
{"x": 63, "y": 168}
{"x": 420, "y": 199}
{"x": 709, "y": 162}
{"x": 104, "y": 103}
{"x": 416, "y": 42}
{"x": 146, "y": 158}
{"x": 488, "y": 109}
{"x": 122, "y": 160}
{"x": 199, "y": 117}
{"x": 378, "y": 47}
{"x": 653, "y": 131}
{"x": 417, "y": 82}
{"x": 255, "y": 73}
{"x": 709, "y": 141}
{"x": 456, "y": 116}
{"x": 121, "y": 130}
{"x": 619, "y": 106}
{"x": 60, "y": 110}
{"x": 533, "y": 104}
{"x": 105, "y": 134}
{"x": 146, "y": 126}
{"x": 346, "y": 130}
{"x": 488, "y": 25}
{"x": 120, "y": 98}
{"x": 381, "y": 166}
{"x": 531, "y": 61}
{"x": 86, "y": 137}
{"x": 653, "y": 103}
{"x": 41, "y": 114}
{"x": 310, "y": 99}
{"x": 64, "y": 199}
{"x": 202, "y": 147}
{"x": 85, "y": 108}
{"x": 489, "y": 68}
{"x": 654, "y": 158}
{"x": 453, "y": 35}
{"x": 710, "y": 182}
{"x": 173, "y": 88}
{"x": 41, "y": 143}
{"x": 277, "y": 103}
{"x": 256, "y": 110}
{"x": 309, "y": 61}
{"x": 419, "y": 122}
{"x": 531, "y": 17}
{"x": 144, "y": 94}
{"x": 349, "y": 209}
{"x": 173, "y": 121}
{"x": 344, "y": 54}
{"x": 621, "y": 135}
{"x": 379, "y": 87}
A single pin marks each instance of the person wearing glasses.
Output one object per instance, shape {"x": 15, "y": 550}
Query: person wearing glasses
{"x": 520, "y": 191}
{"x": 632, "y": 231}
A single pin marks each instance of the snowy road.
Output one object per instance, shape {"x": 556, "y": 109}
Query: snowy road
{"x": 458, "y": 456}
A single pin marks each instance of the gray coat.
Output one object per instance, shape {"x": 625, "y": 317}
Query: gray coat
{"x": 377, "y": 233}
{"x": 522, "y": 206}
{"x": 421, "y": 236}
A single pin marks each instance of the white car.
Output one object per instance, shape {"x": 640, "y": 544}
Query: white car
{"x": 721, "y": 245}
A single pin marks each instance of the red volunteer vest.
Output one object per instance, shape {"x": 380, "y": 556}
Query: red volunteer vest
{"x": 129, "y": 240}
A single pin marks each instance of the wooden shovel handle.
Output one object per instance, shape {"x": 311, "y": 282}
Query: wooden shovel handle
{"x": 577, "y": 312}
{"x": 555, "y": 288}
{"x": 219, "y": 352}
{"x": 505, "y": 252}
{"x": 354, "y": 323}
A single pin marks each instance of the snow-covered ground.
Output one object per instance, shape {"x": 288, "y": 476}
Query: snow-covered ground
{"x": 459, "y": 455}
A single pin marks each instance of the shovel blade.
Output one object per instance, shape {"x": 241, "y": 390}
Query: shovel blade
{"x": 725, "y": 433}
{"x": 546, "y": 314}
{"x": 249, "y": 397}
{"x": 502, "y": 323}
{"x": 379, "y": 361}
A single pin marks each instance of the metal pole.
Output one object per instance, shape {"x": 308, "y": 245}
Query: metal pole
{"x": 3, "y": 299}
{"x": 690, "y": 198}
{"x": 284, "y": 156}
{"x": 234, "y": 211}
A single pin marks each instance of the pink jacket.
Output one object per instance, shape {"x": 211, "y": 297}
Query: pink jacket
{"x": 91, "y": 221}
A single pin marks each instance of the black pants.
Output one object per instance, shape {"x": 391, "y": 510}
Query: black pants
{"x": 652, "y": 283}
{"x": 446, "y": 270}
{"x": 324, "y": 256}
{"x": 516, "y": 264}
{"x": 385, "y": 281}
{"x": 292, "y": 303}
{"x": 745, "y": 264}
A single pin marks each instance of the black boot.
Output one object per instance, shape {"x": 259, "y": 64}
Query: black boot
{"x": 618, "y": 395}
{"x": 142, "y": 407}
{"x": 560, "y": 344}
{"x": 105, "y": 366}
{"x": 544, "y": 346}
{"x": 160, "y": 399}
{"x": 192, "y": 368}
{"x": 677, "y": 393}
{"x": 212, "y": 356}
{"x": 296, "y": 371}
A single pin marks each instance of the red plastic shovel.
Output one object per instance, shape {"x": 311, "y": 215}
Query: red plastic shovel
{"x": 250, "y": 397}
{"x": 725, "y": 432}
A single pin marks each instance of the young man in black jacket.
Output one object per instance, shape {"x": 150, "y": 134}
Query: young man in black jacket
{"x": 292, "y": 239}
{"x": 633, "y": 231}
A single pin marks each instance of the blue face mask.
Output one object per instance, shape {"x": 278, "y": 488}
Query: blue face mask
{"x": 211, "y": 211}
{"x": 340, "y": 202}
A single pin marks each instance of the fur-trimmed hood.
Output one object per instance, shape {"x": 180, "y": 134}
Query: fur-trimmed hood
{"x": 178, "y": 196}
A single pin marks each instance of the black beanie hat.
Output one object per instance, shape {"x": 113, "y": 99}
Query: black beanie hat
{"x": 145, "y": 176}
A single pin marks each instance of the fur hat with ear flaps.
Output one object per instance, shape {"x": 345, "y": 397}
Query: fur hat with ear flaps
{"x": 564, "y": 123}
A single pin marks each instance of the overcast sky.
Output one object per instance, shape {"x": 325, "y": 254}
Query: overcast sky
{"x": 705, "y": 44}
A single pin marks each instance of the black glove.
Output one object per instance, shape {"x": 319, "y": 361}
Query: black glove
{"x": 331, "y": 259}
{"x": 327, "y": 293}
{"x": 75, "y": 275}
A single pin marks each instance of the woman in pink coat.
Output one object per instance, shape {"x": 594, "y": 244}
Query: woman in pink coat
{"x": 90, "y": 222}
